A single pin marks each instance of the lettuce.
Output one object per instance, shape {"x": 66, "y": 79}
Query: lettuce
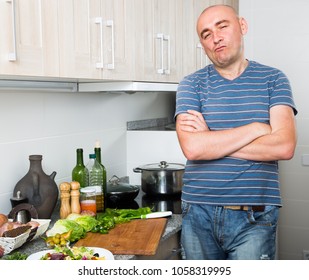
{"x": 64, "y": 225}
{"x": 87, "y": 222}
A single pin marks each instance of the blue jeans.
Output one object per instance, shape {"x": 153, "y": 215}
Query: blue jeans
{"x": 216, "y": 233}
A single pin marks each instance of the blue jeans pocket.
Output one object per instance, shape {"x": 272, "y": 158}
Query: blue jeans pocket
{"x": 185, "y": 207}
{"x": 267, "y": 218}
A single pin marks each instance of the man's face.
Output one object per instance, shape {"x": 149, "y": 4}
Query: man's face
{"x": 221, "y": 35}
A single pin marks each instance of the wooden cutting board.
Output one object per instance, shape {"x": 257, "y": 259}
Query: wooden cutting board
{"x": 138, "y": 237}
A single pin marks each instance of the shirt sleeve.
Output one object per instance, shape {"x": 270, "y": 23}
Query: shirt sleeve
{"x": 281, "y": 92}
{"x": 187, "y": 96}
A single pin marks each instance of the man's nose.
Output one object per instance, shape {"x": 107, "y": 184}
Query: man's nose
{"x": 217, "y": 38}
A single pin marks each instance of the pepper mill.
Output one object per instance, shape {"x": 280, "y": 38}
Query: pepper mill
{"x": 65, "y": 207}
{"x": 75, "y": 194}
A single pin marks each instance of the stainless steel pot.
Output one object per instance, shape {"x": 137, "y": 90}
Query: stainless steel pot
{"x": 161, "y": 178}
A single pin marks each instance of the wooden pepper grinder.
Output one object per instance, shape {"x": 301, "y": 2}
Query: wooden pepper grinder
{"x": 75, "y": 194}
{"x": 65, "y": 207}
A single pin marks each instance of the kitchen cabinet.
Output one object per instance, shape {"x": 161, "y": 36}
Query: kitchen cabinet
{"x": 95, "y": 39}
{"x": 29, "y": 38}
{"x": 194, "y": 57}
{"x": 101, "y": 40}
{"x": 158, "y": 40}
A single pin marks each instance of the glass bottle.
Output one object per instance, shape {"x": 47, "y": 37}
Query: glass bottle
{"x": 97, "y": 151}
{"x": 80, "y": 172}
{"x": 96, "y": 180}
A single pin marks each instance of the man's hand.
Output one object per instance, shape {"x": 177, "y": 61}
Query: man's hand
{"x": 193, "y": 121}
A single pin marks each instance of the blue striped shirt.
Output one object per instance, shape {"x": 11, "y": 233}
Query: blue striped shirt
{"x": 227, "y": 104}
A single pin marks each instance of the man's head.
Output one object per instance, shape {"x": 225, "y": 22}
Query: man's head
{"x": 221, "y": 34}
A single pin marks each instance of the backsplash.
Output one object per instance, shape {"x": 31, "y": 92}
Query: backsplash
{"x": 55, "y": 124}
{"x": 159, "y": 124}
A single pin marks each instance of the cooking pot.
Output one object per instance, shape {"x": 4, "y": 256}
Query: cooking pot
{"x": 119, "y": 192}
{"x": 161, "y": 178}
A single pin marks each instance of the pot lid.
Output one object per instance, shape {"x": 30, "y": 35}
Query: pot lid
{"x": 163, "y": 165}
{"x": 115, "y": 186}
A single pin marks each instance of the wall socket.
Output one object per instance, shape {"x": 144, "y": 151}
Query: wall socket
{"x": 306, "y": 254}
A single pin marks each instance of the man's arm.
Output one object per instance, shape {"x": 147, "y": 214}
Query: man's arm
{"x": 279, "y": 144}
{"x": 199, "y": 143}
{"x": 255, "y": 141}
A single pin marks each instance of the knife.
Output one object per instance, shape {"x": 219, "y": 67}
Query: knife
{"x": 156, "y": 215}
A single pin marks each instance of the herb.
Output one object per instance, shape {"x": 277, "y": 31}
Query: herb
{"x": 111, "y": 217}
{"x": 15, "y": 256}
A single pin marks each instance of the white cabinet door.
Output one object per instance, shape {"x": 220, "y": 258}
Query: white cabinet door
{"x": 194, "y": 57}
{"x": 79, "y": 39}
{"x": 118, "y": 39}
{"x": 28, "y": 39}
{"x": 96, "y": 39}
{"x": 158, "y": 48}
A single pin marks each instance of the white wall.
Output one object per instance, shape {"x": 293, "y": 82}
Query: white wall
{"x": 279, "y": 36}
{"x": 56, "y": 124}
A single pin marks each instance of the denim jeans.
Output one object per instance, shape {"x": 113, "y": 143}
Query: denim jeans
{"x": 216, "y": 233}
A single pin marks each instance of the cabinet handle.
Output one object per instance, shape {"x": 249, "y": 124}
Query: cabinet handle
{"x": 204, "y": 60}
{"x": 161, "y": 38}
{"x": 200, "y": 48}
{"x": 110, "y": 24}
{"x": 168, "y": 70}
{"x": 13, "y": 55}
{"x": 100, "y": 64}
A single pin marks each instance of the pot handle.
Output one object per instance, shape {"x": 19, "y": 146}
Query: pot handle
{"x": 137, "y": 170}
{"x": 114, "y": 180}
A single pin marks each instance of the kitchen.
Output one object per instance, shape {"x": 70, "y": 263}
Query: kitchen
{"x": 55, "y": 123}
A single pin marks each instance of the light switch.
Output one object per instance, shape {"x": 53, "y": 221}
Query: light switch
{"x": 305, "y": 159}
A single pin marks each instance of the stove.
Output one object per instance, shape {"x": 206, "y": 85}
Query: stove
{"x": 157, "y": 203}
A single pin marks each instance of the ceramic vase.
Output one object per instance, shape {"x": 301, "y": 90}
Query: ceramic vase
{"x": 39, "y": 188}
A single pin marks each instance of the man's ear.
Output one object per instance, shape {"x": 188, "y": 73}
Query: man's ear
{"x": 243, "y": 26}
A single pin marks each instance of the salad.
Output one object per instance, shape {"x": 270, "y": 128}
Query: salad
{"x": 74, "y": 253}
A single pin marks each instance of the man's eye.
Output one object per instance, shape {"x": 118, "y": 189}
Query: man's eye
{"x": 206, "y": 35}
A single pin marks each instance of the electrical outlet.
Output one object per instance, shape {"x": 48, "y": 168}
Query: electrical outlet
{"x": 306, "y": 254}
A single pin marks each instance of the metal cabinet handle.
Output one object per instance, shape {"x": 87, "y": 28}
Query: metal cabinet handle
{"x": 160, "y": 36}
{"x": 167, "y": 71}
{"x": 110, "y": 23}
{"x": 199, "y": 46}
{"x": 100, "y": 64}
{"x": 203, "y": 57}
{"x": 13, "y": 55}
{"x": 163, "y": 38}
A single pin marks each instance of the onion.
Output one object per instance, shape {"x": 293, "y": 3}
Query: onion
{"x": 3, "y": 219}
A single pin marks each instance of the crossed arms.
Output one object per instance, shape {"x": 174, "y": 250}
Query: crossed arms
{"x": 255, "y": 141}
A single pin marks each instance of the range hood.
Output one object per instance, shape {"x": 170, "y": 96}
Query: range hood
{"x": 127, "y": 87}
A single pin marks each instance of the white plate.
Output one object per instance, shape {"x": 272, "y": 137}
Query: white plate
{"x": 102, "y": 253}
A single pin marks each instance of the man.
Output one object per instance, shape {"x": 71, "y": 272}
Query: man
{"x": 234, "y": 121}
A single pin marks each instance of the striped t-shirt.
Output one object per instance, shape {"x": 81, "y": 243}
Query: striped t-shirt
{"x": 228, "y": 104}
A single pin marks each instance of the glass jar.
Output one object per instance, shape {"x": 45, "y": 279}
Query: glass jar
{"x": 88, "y": 200}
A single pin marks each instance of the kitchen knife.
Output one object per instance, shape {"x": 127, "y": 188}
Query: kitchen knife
{"x": 156, "y": 215}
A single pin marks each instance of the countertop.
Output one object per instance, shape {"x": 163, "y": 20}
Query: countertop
{"x": 173, "y": 226}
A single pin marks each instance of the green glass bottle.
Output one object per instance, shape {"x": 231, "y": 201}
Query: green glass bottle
{"x": 80, "y": 173}
{"x": 97, "y": 151}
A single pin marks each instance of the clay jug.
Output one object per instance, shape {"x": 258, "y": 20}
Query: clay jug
{"x": 39, "y": 188}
